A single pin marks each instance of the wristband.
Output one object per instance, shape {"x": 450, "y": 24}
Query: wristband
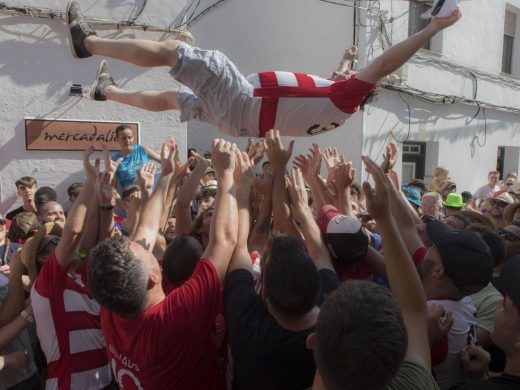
{"x": 106, "y": 208}
{"x": 29, "y": 318}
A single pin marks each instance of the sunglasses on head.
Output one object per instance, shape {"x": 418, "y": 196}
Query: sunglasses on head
{"x": 498, "y": 203}
{"x": 53, "y": 241}
{"x": 509, "y": 236}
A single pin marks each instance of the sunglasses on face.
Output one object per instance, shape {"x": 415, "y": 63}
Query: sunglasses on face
{"x": 53, "y": 241}
{"x": 3, "y": 221}
{"x": 509, "y": 236}
{"x": 497, "y": 203}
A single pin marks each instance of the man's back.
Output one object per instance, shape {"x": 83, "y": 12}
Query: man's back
{"x": 168, "y": 346}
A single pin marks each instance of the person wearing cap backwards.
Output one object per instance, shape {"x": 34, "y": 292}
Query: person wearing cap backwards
{"x": 506, "y": 335}
{"x": 458, "y": 263}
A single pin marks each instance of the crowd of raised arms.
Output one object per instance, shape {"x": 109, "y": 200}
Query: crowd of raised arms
{"x": 248, "y": 269}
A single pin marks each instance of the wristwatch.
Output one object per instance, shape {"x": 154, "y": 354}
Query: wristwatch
{"x": 29, "y": 318}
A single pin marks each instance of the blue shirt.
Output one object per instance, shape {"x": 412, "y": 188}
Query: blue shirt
{"x": 127, "y": 170}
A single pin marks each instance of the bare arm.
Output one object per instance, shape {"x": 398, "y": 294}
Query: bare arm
{"x": 305, "y": 221}
{"x": 224, "y": 224}
{"x": 398, "y": 55}
{"x": 9, "y": 331}
{"x": 152, "y": 154}
{"x": 15, "y": 300}
{"x": 149, "y": 220}
{"x": 244, "y": 177}
{"x": 402, "y": 273}
{"x": 76, "y": 218}
{"x": 185, "y": 196}
{"x": 279, "y": 157}
{"x": 262, "y": 226}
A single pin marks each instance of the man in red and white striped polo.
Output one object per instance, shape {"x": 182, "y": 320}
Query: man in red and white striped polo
{"x": 66, "y": 315}
{"x": 214, "y": 91}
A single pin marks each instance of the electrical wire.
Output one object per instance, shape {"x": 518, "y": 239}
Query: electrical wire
{"x": 409, "y": 123}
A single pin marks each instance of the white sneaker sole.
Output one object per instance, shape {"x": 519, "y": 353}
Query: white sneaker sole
{"x": 102, "y": 65}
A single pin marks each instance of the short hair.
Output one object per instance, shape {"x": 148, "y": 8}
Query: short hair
{"x": 440, "y": 170}
{"x": 26, "y": 181}
{"x": 435, "y": 195}
{"x": 40, "y": 208}
{"x": 291, "y": 280}
{"x": 494, "y": 240}
{"x": 121, "y": 128}
{"x": 127, "y": 191}
{"x": 371, "y": 97}
{"x": 180, "y": 259}
{"x": 197, "y": 222}
{"x": 205, "y": 192}
{"x": 117, "y": 279}
{"x": 23, "y": 226}
{"x": 74, "y": 189}
{"x": 360, "y": 337}
{"x": 461, "y": 217}
{"x": 493, "y": 173}
{"x": 43, "y": 195}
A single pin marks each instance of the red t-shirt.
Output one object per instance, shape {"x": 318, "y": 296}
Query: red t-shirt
{"x": 169, "y": 346}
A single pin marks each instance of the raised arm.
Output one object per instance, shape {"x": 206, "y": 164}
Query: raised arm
{"x": 262, "y": 225}
{"x": 152, "y": 154}
{"x": 244, "y": 177}
{"x": 185, "y": 196}
{"x": 149, "y": 220}
{"x": 398, "y": 55}
{"x": 224, "y": 223}
{"x": 304, "y": 219}
{"x": 278, "y": 158}
{"x": 76, "y": 218}
{"x": 402, "y": 273}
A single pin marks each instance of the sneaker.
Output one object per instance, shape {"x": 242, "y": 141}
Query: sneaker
{"x": 441, "y": 9}
{"x": 103, "y": 80}
{"x": 79, "y": 29}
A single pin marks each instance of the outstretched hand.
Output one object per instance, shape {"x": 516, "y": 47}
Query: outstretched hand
{"x": 223, "y": 156}
{"x": 378, "y": 198}
{"x": 91, "y": 171}
{"x": 168, "y": 151}
{"x": 299, "y": 200}
{"x": 439, "y": 24}
{"x": 276, "y": 152}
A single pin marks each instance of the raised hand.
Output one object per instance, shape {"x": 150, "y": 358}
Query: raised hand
{"x": 378, "y": 198}
{"x": 299, "y": 200}
{"x": 276, "y": 152}
{"x": 110, "y": 166}
{"x": 344, "y": 175}
{"x": 168, "y": 151}
{"x": 145, "y": 176}
{"x": 389, "y": 158}
{"x": 104, "y": 189}
{"x": 439, "y": 24}
{"x": 244, "y": 174}
{"x": 223, "y": 156}
{"x": 91, "y": 172}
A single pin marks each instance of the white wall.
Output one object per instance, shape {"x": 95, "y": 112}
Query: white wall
{"x": 36, "y": 72}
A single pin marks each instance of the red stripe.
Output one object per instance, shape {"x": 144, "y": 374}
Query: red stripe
{"x": 80, "y": 320}
{"x": 269, "y": 106}
{"x": 305, "y": 81}
{"x": 60, "y": 369}
{"x": 88, "y": 360}
{"x": 268, "y": 79}
{"x": 278, "y": 92}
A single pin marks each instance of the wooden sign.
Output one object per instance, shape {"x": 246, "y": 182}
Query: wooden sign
{"x": 49, "y": 134}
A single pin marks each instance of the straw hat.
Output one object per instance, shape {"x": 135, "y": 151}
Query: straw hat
{"x": 30, "y": 248}
{"x": 509, "y": 212}
{"x": 481, "y": 218}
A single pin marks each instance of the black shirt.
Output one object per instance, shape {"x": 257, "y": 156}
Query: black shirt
{"x": 11, "y": 214}
{"x": 502, "y": 382}
{"x": 267, "y": 356}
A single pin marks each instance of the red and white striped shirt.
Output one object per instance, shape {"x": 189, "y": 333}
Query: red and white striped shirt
{"x": 69, "y": 329}
{"x": 299, "y": 104}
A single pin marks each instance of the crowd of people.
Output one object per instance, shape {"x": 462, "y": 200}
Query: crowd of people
{"x": 249, "y": 269}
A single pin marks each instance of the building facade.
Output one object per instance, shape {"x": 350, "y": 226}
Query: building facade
{"x": 456, "y": 103}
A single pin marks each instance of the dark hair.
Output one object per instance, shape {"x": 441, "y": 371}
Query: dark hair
{"x": 205, "y": 192}
{"x": 495, "y": 241}
{"x": 180, "y": 258}
{"x": 116, "y": 278}
{"x": 371, "y": 97}
{"x": 418, "y": 184}
{"x": 121, "y": 128}
{"x": 127, "y": 191}
{"x": 74, "y": 189}
{"x": 197, "y": 222}
{"x": 26, "y": 181}
{"x": 461, "y": 217}
{"x": 360, "y": 338}
{"x": 43, "y": 207}
{"x": 291, "y": 279}
{"x": 43, "y": 195}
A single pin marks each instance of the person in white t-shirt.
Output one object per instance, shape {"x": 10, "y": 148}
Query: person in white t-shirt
{"x": 486, "y": 191}
{"x": 214, "y": 91}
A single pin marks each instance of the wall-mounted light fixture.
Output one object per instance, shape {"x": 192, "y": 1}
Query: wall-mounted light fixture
{"x": 76, "y": 90}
